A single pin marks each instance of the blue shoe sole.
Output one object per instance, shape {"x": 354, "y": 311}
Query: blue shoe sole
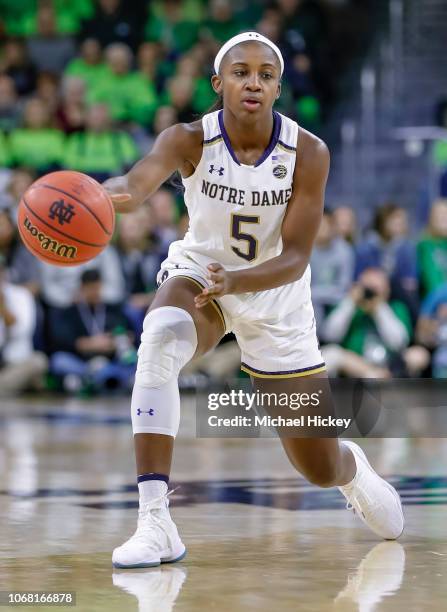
{"x": 139, "y": 565}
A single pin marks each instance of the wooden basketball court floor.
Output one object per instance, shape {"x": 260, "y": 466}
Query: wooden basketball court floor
{"x": 258, "y": 537}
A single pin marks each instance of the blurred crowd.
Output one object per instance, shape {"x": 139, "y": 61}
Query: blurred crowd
{"x": 380, "y": 296}
{"x": 88, "y": 85}
{"x": 380, "y": 300}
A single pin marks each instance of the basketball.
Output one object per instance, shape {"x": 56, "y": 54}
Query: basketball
{"x": 66, "y": 218}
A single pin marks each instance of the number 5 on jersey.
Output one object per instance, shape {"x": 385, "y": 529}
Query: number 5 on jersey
{"x": 252, "y": 243}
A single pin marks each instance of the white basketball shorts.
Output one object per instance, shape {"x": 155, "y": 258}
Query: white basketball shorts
{"x": 275, "y": 329}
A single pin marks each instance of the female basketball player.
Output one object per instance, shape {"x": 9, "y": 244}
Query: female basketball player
{"x": 254, "y": 187}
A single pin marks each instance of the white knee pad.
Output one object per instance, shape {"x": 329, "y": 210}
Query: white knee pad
{"x": 168, "y": 342}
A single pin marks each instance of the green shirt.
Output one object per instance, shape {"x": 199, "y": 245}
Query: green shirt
{"x": 109, "y": 152}
{"x": 18, "y": 15}
{"x": 69, "y": 14}
{"x": 180, "y": 35}
{"x": 37, "y": 149}
{"x": 223, "y": 30}
{"x": 91, "y": 74}
{"x": 204, "y": 95}
{"x": 130, "y": 97}
{"x": 363, "y": 328}
{"x": 432, "y": 263}
{"x": 21, "y": 15}
{"x": 439, "y": 153}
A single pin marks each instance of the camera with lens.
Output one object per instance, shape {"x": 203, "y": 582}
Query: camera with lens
{"x": 368, "y": 293}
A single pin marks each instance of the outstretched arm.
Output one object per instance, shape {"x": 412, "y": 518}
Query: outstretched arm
{"x": 173, "y": 149}
{"x": 299, "y": 229}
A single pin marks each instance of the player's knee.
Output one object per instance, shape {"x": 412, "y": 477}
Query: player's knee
{"x": 168, "y": 342}
{"x": 323, "y": 473}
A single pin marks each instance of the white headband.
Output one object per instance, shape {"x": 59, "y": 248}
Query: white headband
{"x": 245, "y": 36}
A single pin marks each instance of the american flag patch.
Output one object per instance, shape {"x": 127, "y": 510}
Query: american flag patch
{"x": 279, "y": 158}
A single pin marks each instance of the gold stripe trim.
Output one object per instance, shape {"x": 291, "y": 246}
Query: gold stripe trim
{"x": 295, "y": 375}
{"x": 210, "y": 144}
{"x": 286, "y": 150}
{"x": 213, "y": 302}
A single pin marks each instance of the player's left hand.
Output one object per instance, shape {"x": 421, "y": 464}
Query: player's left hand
{"x": 221, "y": 285}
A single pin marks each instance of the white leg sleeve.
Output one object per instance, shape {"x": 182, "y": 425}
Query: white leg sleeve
{"x": 168, "y": 342}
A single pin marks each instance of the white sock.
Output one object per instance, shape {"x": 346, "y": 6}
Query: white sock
{"x": 151, "y": 489}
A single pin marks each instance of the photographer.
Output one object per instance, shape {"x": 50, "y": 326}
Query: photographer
{"x": 389, "y": 247}
{"x": 373, "y": 331}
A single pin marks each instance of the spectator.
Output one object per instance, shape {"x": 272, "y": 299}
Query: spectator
{"x": 47, "y": 90}
{"x": 19, "y": 181}
{"x": 129, "y": 96}
{"x": 432, "y": 250}
{"x": 203, "y": 52}
{"x": 114, "y": 22}
{"x": 90, "y": 341}
{"x": 15, "y": 63}
{"x": 203, "y": 96}
{"x": 165, "y": 116}
{"x": 174, "y": 24}
{"x": 387, "y": 246}
{"x": 22, "y": 266}
{"x": 20, "y": 365}
{"x": 222, "y": 24}
{"x": 89, "y": 65}
{"x": 332, "y": 263}
{"x": 140, "y": 262}
{"x": 59, "y": 285}
{"x": 431, "y": 330}
{"x": 100, "y": 151}
{"x": 70, "y": 114}
{"x": 164, "y": 216}
{"x": 37, "y": 144}
{"x": 345, "y": 223}
{"x": 69, "y": 15}
{"x": 48, "y": 50}
{"x": 9, "y": 104}
{"x": 367, "y": 323}
{"x": 148, "y": 56}
{"x": 271, "y": 24}
{"x": 180, "y": 90}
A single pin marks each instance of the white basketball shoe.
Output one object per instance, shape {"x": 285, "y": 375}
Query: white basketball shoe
{"x": 373, "y": 499}
{"x": 155, "y": 541}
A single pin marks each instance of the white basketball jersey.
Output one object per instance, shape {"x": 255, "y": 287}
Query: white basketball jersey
{"x": 235, "y": 210}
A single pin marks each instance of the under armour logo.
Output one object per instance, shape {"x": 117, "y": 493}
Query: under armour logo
{"x": 219, "y": 171}
{"x": 61, "y": 211}
{"x": 150, "y": 411}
